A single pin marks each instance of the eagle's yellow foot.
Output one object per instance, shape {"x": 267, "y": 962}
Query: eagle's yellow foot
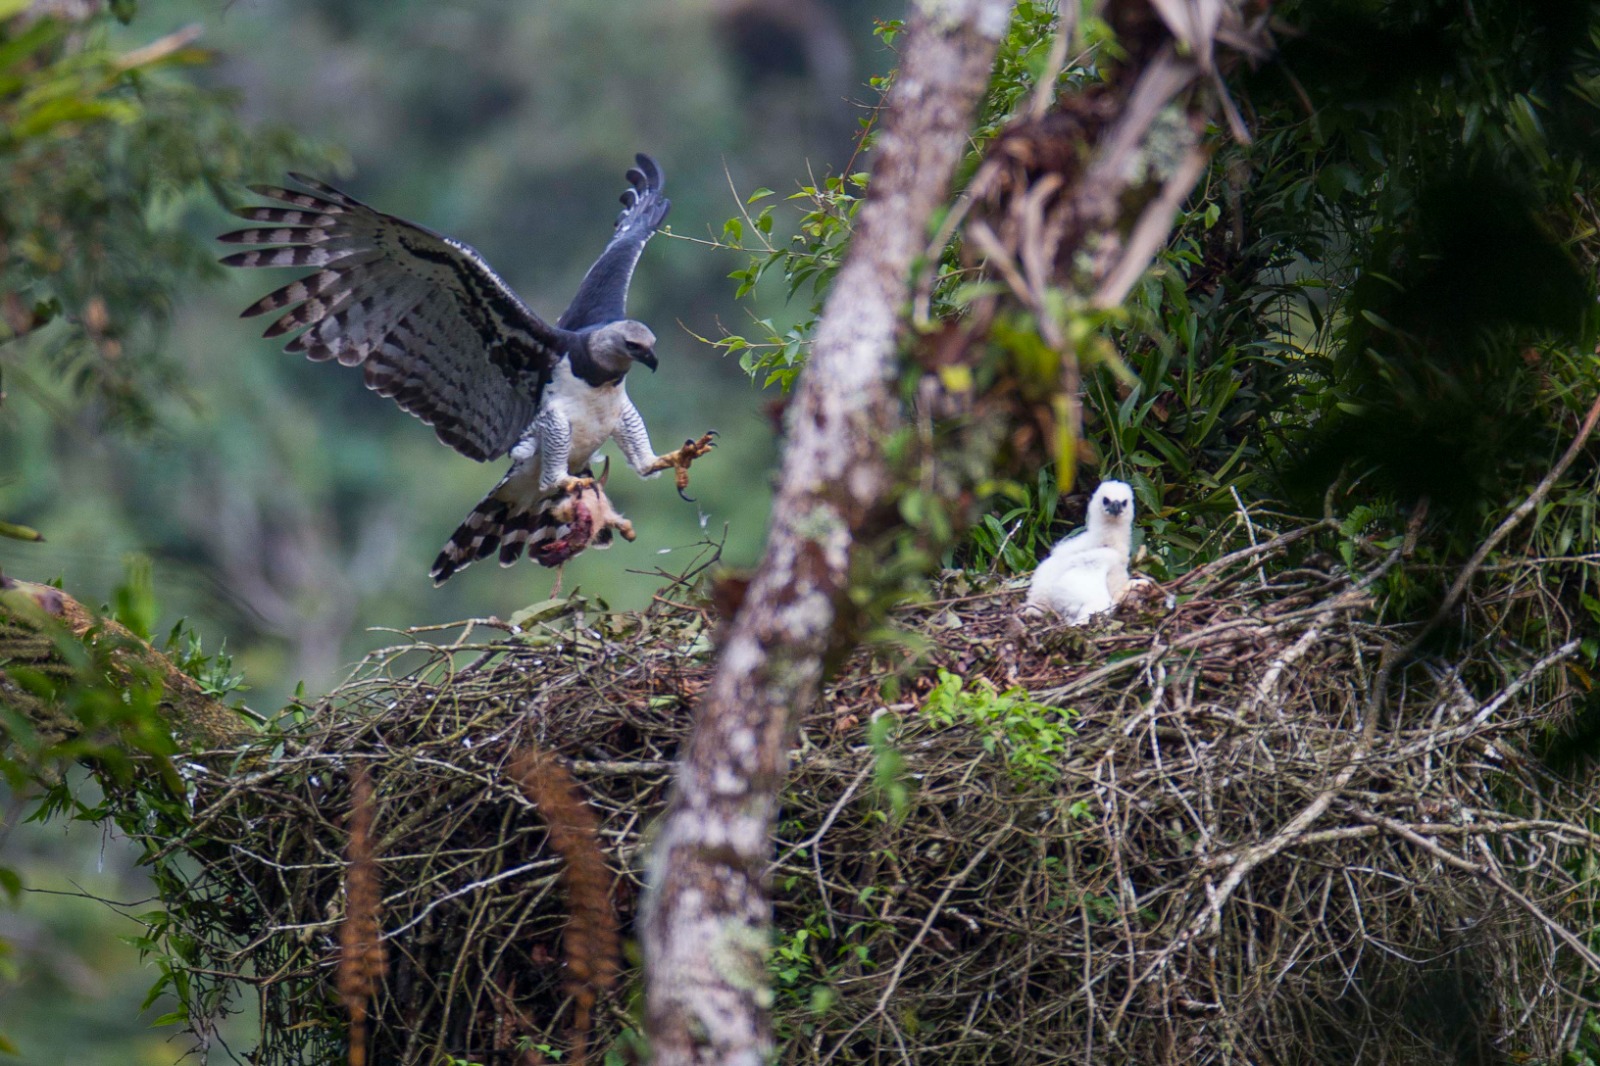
{"x": 680, "y": 459}
{"x": 563, "y": 498}
{"x": 571, "y": 486}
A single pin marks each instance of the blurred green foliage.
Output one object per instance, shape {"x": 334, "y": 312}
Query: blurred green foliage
{"x": 279, "y": 502}
{"x": 1391, "y": 289}
{"x": 84, "y": 738}
{"x": 70, "y": 986}
{"x": 101, "y": 146}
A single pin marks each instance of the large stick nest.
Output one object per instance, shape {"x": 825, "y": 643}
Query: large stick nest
{"x": 1269, "y": 839}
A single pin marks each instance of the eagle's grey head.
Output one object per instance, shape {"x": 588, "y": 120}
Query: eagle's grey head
{"x": 1112, "y": 504}
{"x": 618, "y": 345}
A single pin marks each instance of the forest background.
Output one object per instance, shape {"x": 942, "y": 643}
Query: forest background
{"x": 201, "y": 474}
{"x": 1390, "y": 292}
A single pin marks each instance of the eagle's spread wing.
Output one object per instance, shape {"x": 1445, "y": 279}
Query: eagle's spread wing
{"x": 432, "y": 326}
{"x": 604, "y": 290}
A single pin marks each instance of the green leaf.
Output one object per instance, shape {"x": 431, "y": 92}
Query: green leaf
{"x": 157, "y": 988}
{"x": 1591, "y": 605}
{"x": 1335, "y": 180}
{"x": 546, "y": 610}
{"x": 133, "y": 602}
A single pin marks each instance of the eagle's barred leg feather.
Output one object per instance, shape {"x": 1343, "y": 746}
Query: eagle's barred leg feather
{"x": 554, "y": 434}
{"x": 634, "y": 440}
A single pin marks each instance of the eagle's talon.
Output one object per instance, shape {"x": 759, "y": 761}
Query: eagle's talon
{"x": 571, "y": 486}
{"x": 694, "y": 449}
{"x": 680, "y": 460}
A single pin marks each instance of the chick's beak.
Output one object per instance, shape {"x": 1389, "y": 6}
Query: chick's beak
{"x": 1114, "y": 507}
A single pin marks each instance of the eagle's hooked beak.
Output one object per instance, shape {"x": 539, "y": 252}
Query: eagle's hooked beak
{"x": 1114, "y": 507}
{"x": 647, "y": 357}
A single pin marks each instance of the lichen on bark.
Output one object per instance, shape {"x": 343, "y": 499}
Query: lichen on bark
{"x": 707, "y": 871}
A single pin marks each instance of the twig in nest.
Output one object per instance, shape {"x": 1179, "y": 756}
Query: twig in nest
{"x": 1524, "y": 509}
{"x": 1487, "y": 871}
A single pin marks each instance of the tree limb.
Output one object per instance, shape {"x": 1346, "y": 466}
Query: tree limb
{"x": 34, "y": 617}
{"x": 705, "y": 929}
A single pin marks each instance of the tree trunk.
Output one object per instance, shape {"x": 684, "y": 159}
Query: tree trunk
{"x": 706, "y": 924}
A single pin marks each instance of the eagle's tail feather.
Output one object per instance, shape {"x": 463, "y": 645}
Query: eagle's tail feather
{"x": 551, "y": 529}
{"x": 475, "y": 538}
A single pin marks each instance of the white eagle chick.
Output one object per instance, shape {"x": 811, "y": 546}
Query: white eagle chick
{"x": 1087, "y": 573}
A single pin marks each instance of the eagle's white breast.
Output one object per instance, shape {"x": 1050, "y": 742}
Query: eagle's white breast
{"x": 591, "y": 412}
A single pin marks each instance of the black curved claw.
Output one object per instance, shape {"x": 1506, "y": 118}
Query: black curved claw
{"x": 685, "y": 499}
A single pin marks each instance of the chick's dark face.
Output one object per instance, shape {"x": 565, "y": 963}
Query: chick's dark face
{"x": 1113, "y": 502}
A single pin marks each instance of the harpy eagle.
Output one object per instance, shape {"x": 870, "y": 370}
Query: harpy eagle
{"x": 1088, "y": 573}
{"x": 436, "y": 330}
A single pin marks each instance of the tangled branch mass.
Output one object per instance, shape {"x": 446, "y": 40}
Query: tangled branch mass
{"x": 1230, "y": 830}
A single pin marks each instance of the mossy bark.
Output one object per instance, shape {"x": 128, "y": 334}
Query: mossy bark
{"x": 35, "y": 619}
{"x": 706, "y": 926}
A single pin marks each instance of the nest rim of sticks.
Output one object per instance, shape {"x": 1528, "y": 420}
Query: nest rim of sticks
{"x": 1228, "y": 848}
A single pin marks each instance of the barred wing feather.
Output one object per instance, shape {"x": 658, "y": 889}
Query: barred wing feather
{"x": 604, "y": 290}
{"x": 432, "y": 326}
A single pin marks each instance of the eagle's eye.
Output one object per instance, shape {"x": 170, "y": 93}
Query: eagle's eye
{"x": 633, "y": 346}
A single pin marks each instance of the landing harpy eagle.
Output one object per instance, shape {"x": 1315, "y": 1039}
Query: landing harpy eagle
{"x": 435, "y": 329}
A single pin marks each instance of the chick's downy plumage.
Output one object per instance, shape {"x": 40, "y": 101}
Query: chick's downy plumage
{"x": 1087, "y": 573}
